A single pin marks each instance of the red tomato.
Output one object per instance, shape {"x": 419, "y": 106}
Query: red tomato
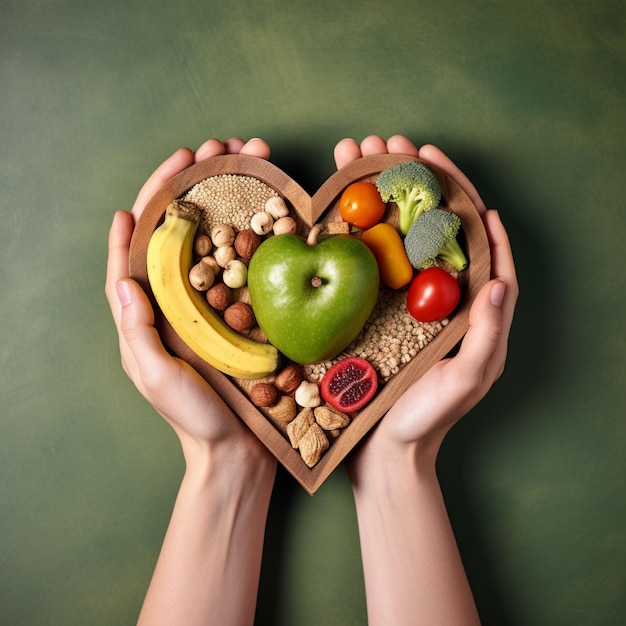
{"x": 361, "y": 205}
{"x": 432, "y": 295}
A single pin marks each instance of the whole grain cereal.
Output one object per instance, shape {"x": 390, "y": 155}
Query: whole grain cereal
{"x": 389, "y": 339}
{"x": 229, "y": 199}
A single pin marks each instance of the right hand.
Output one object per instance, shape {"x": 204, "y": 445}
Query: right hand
{"x": 433, "y": 404}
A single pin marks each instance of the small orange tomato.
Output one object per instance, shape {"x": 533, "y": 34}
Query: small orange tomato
{"x": 387, "y": 246}
{"x": 361, "y": 205}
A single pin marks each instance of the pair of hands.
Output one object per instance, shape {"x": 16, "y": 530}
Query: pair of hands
{"x": 420, "y": 418}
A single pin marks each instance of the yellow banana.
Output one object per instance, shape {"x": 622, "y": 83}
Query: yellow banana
{"x": 169, "y": 259}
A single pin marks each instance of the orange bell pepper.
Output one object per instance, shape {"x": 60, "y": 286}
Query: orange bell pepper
{"x": 387, "y": 246}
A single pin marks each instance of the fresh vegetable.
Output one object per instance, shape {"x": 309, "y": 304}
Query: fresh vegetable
{"x": 414, "y": 189}
{"x": 361, "y": 205}
{"x": 432, "y": 236}
{"x": 433, "y": 295}
{"x": 393, "y": 264}
{"x": 349, "y": 384}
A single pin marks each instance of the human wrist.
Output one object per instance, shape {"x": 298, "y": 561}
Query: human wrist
{"x": 234, "y": 464}
{"x": 393, "y": 466}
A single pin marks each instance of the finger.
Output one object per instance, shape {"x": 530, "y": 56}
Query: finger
{"x": 139, "y": 334}
{"x": 120, "y": 235}
{"x": 210, "y": 148}
{"x": 434, "y": 155}
{"x": 117, "y": 270}
{"x": 399, "y": 144}
{"x": 180, "y": 160}
{"x": 502, "y": 265}
{"x": 476, "y": 360}
{"x": 233, "y": 145}
{"x": 373, "y": 144}
{"x": 486, "y": 342}
{"x": 346, "y": 151}
{"x": 256, "y": 147}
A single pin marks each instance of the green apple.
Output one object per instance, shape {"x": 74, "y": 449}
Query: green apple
{"x": 311, "y": 301}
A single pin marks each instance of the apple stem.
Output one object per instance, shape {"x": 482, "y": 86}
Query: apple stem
{"x": 316, "y": 281}
{"x": 311, "y": 239}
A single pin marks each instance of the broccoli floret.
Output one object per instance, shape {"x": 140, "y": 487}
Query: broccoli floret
{"x": 414, "y": 189}
{"x": 434, "y": 235}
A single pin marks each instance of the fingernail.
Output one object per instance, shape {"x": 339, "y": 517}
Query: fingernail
{"x": 123, "y": 292}
{"x": 496, "y": 295}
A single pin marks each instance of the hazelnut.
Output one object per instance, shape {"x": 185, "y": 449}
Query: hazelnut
{"x": 246, "y": 243}
{"x": 202, "y": 245}
{"x": 201, "y": 275}
{"x": 289, "y": 378}
{"x": 239, "y": 316}
{"x": 285, "y": 226}
{"x": 276, "y": 207}
{"x": 308, "y": 394}
{"x": 224, "y": 254}
{"x": 284, "y": 410}
{"x": 222, "y": 235}
{"x": 212, "y": 263}
{"x": 261, "y": 223}
{"x": 242, "y": 294}
{"x": 263, "y": 394}
{"x": 219, "y": 296}
{"x": 235, "y": 274}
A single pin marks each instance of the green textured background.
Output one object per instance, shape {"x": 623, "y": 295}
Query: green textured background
{"x": 528, "y": 97}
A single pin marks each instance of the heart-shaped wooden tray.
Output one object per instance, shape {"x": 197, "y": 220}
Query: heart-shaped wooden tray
{"x": 322, "y": 207}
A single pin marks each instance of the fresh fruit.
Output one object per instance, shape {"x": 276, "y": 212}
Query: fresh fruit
{"x": 433, "y": 295}
{"x": 169, "y": 259}
{"x": 312, "y": 299}
{"x": 394, "y": 266}
{"x": 361, "y": 205}
{"x": 350, "y": 384}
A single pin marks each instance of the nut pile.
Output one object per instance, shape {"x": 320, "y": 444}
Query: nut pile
{"x": 237, "y": 212}
{"x": 292, "y": 400}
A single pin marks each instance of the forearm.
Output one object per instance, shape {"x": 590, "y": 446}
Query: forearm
{"x": 209, "y": 565}
{"x": 413, "y": 570}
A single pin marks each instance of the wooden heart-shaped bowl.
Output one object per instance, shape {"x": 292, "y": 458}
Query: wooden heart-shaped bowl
{"x": 321, "y": 208}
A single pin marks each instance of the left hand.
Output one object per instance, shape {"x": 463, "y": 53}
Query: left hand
{"x": 189, "y": 404}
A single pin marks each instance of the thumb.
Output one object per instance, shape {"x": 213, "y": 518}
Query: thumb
{"x": 485, "y": 330}
{"x": 136, "y": 325}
